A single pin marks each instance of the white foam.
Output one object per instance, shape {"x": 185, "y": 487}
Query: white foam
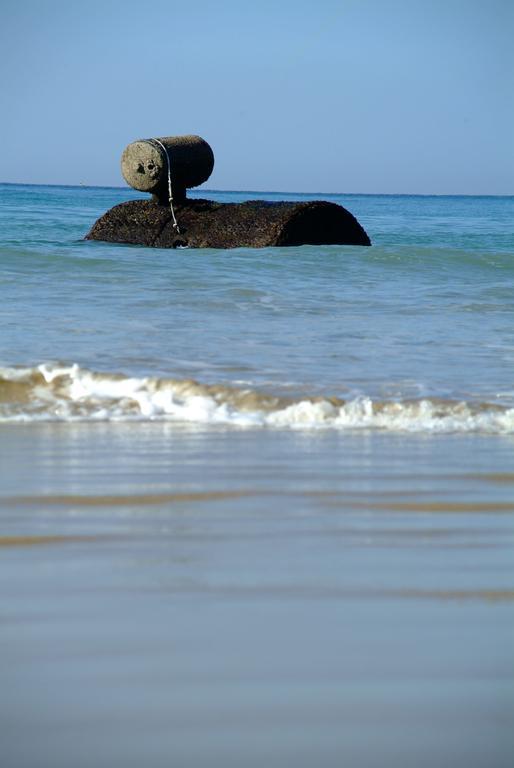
{"x": 70, "y": 393}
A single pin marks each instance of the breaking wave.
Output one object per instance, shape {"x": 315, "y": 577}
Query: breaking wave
{"x": 71, "y": 393}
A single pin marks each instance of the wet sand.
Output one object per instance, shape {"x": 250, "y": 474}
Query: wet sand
{"x": 186, "y": 596}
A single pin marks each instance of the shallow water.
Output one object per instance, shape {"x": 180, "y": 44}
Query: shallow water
{"x": 257, "y": 506}
{"x": 210, "y": 596}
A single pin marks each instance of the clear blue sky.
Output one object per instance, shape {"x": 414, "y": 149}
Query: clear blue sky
{"x": 293, "y": 95}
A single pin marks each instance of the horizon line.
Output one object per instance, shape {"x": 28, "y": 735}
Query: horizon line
{"x": 269, "y": 191}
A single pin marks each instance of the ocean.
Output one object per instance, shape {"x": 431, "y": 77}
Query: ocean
{"x": 257, "y": 505}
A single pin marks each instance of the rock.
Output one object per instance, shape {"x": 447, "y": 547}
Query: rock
{"x": 207, "y": 224}
{"x": 153, "y": 165}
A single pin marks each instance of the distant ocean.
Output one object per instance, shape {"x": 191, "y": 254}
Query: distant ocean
{"x": 415, "y": 333}
{"x": 257, "y": 505}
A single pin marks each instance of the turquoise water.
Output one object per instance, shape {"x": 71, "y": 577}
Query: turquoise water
{"x": 426, "y": 313}
{"x": 256, "y": 506}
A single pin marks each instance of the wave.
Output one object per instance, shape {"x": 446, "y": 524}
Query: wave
{"x": 50, "y": 392}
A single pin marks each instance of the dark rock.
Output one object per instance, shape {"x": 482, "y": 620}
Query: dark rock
{"x": 207, "y": 224}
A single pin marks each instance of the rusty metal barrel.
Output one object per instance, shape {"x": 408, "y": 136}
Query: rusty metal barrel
{"x": 144, "y": 164}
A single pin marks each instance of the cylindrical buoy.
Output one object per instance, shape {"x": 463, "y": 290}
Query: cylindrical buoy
{"x": 144, "y": 164}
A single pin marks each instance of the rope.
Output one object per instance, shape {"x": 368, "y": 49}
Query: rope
{"x": 170, "y": 192}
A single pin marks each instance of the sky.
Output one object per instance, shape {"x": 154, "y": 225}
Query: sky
{"x": 350, "y": 96}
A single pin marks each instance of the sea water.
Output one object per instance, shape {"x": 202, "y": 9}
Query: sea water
{"x": 257, "y": 505}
